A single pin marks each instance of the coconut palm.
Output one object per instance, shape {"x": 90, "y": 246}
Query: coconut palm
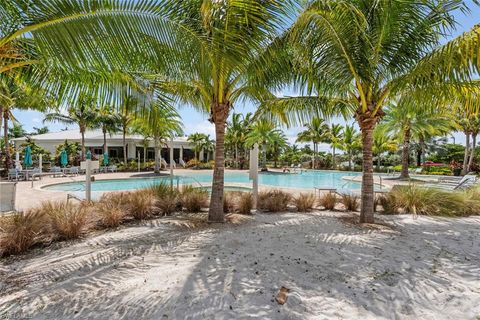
{"x": 365, "y": 53}
{"x": 279, "y": 144}
{"x": 382, "y": 142}
{"x": 350, "y": 143}
{"x": 236, "y": 132}
{"x": 317, "y": 132}
{"x": 335, "y": 136}
{"x": 82, "y": 113}
{"x": 208, "y": 146}
{"x": 469, "y": 124}
{"x": 414, "y": 122}
{"x": 197, "y": 139}
{"x": 109, "y": 121}
{"x": 264, "y": 133}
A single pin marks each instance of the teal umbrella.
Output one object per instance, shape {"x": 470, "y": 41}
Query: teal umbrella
{"x": 64, "y": 158}
{"x": 89, "y": 155}
{"x": 105, "y": 159}
{"x": 27, "y": 159}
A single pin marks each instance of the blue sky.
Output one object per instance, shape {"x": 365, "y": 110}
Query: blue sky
{"x": 196, "y": 122}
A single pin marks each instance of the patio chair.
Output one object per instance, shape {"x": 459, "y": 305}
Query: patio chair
{"x": 54, "y": 171}
{"x": 15, "y": 174}
{"x": 74, "y": 171}
{"x": 112, "y": 168}
{"x": 7, "y": 196}
{"x": 468, "y": 181}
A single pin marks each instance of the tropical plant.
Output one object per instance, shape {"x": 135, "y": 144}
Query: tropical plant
{"x": 41, "y": 130}
{"x": 82, "y": 114}
{"x": 198, "y": 141}
{"x": 350, "y": 143}
{"x": 317, "y": 132}
{"x": 469, "y": 123}
{"x": 382, "y": 142}
{"x": 208, "y": 146}
{"x": 236, "y": 133}
{"x": 335, "y": 137}
{"x": 264, "y": 133}
{"x": 109, "y": 121}
{"x": 360, "y": 55}
{"x": 278, "y": 144}
{"x": 414, "y": 122}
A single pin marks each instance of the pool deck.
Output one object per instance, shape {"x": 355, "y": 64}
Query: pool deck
{"x": 28, "y": 197}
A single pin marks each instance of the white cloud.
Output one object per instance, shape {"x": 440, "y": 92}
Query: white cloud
{"x": 203, "y": 127}
{"x": 36, "y": 120}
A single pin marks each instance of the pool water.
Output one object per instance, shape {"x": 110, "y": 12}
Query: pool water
{"x": 305, "y": 180}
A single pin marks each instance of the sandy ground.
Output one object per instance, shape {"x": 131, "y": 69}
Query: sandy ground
{"x": 425, "y": 268}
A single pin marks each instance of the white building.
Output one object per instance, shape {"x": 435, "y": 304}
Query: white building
{"x": 94, "y": 143}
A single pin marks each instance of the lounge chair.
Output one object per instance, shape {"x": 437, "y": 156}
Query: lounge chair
{"x": 7, "y": 196}
{"x": 15, "y": 174}
{"x": 54, "y": 171}
{"x": 468, "y": 181}
{"x": 112, "y": 168}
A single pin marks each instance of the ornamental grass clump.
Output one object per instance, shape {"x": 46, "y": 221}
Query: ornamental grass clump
{"x": 273, "y": 201}
{"x": 110, "y": 213}
{"x": 245, "y": 203}
{"x": 142, "y": 204}
{"x": 66, "y": 220}
{"x": 229, "y": 199}
{"x": 168, "y": 198}
{"x": 23, "y": 230}
{"x": 328, "y": 201}
{"x": 350, "y": 202}
{"x": 194, "y": 199}
{"x": 304, "y": 202}
{"x": 418, "y": 200}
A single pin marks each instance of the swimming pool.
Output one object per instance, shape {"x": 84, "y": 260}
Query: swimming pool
{"x": 305, "y": 180}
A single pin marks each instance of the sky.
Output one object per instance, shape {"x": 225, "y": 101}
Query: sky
{"x": 197, "y": 122}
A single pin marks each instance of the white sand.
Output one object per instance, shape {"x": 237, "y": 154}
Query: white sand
{"x": 428, "y": 268}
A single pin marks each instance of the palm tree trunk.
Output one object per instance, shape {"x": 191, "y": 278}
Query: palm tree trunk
{"x": 350, "y": 160}
{"x": 8, "y": 158}
{"x": 264, "y": 147}
{"x": 315, "y": 147}
{"x": 333, "y": 157}
{"x": 467, "y": 149}
{"x": 105, "y": 150}
{"x": 82, "y": 132}
{"x": 157, "y": 158}
{"x": 215, "y": 212}
{"x": 472, "y": 154}
{"x": 124, "y": 133}
{"x": 367, "y": 125}
{"x": 236, "y": 155}
{"x": 405, "y": 154}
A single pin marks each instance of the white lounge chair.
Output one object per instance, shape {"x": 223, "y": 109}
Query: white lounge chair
{"x": 112, "y": 168}
{"x": 7, "y": 196}
{"x": 468, "y": 181}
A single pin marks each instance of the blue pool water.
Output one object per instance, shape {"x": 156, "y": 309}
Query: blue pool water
{"x": 305, "y": 180}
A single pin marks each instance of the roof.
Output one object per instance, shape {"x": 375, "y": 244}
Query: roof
{"x": 74, "y": 134}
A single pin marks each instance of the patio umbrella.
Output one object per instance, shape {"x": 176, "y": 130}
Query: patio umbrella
{"x": 64, "y": 158}
{"x": 89, "y": 155}
{"x": 27, "y": 159}
{"x": 105, "y": 159}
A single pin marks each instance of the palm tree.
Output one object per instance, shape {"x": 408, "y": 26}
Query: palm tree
{"x": 317, "y": 132}
{"x": 264, "y": 133}
{"x": 129, "y": 105}
{"x": 208, "y": 146}
{"x": 83, "y": 115}
{"x": 109, "y": 122}
{"x": 226, "y": 48}
{"x": 198, "y": 140}
{"x": 235, "y": 134}
{"x": 279, "y": 144}
{"x": 469, "y": 123}
{"x": 350, "y": 143}
{"x": 335, "y": 137}
{"x": 161, "y": 122}
{"x": 365, "y": 53}
{"x": 382, "y": 142}
{"x": 414, "y": 122}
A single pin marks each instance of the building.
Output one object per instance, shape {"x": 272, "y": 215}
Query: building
{"x": 94, "y": 142}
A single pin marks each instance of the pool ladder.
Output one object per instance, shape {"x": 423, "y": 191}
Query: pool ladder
{"x": 353, "y": 180}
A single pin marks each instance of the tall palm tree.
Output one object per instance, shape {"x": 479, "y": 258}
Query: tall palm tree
{"x": 264, "y": 133}
{"x": 351, "y": 142}
{"x": 235, "y": 134}
{"x": 317, "y": 132}
{"x": 109, "y": 121}
{"x": 198, "y": 140}
{"x": 82, "y": 114}
{"x": 227, "y": 46}
{"x": 335, "y": 137}
{"x": 279, "y": 144}
{"x": 414, "y": 122}
{"x": 208, "y": 146}
{"x": 382, "y": 142}
{"x": 129, "y": 106}
{"x": 469, "y": 123}
{"x": 364, "y": 53}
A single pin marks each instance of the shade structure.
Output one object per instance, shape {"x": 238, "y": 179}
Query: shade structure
{"x": 64, "y": 158}
{"x": 27, "y": 159}
{"x": 89, "y": 155}
{"x": 105, "y": 159}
